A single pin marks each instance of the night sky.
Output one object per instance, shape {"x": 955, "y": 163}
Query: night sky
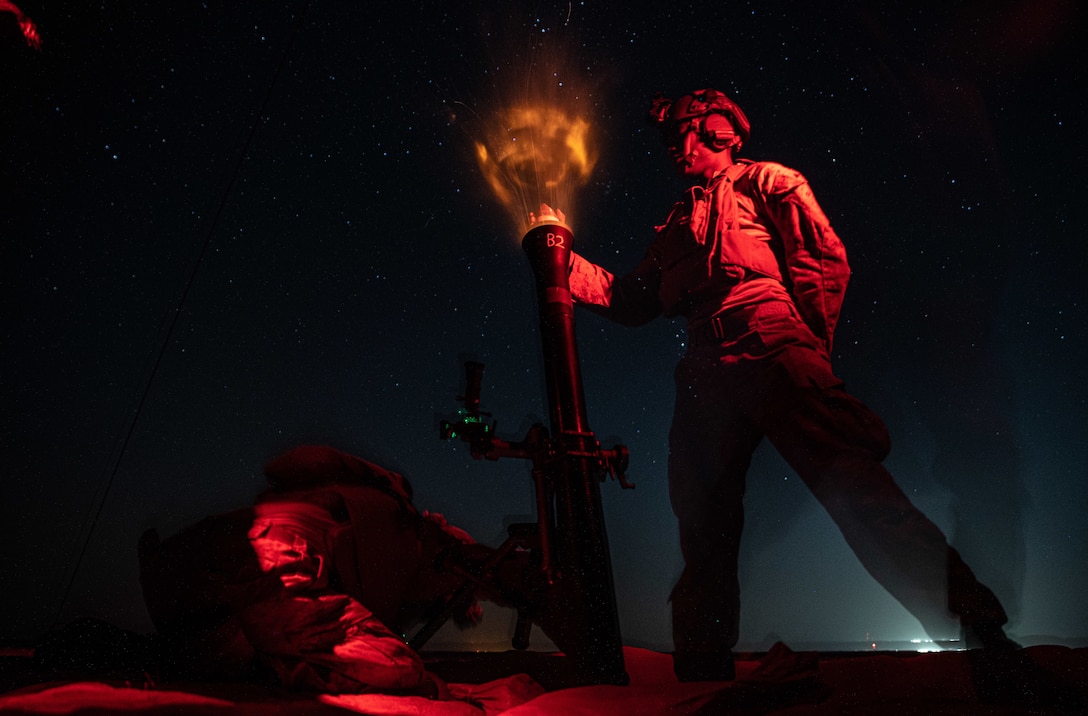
{"x": 230, "y": 228}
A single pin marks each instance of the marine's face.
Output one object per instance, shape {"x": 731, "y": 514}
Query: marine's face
{"x": 692, "y": 157}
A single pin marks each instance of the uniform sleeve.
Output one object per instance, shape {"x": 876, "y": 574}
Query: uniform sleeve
{"x": 815, "y": 256}
{"x": 631, "y": 299}
{"x": 330, "y": 642}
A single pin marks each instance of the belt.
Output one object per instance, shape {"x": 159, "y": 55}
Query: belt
{"x": 723, "y": 326}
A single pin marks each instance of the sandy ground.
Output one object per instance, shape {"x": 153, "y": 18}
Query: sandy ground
{"x": 1036, "y": 680}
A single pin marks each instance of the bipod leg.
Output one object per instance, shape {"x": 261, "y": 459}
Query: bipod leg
{"x": 519, "y": 535}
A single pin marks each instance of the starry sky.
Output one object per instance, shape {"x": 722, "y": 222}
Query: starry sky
{"x": 230, "y": 228}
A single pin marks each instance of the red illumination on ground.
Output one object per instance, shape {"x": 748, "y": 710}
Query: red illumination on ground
{"x": 791, "y": 683}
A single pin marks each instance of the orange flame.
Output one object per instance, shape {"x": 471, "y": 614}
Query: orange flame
{"x": 539, "y": 153}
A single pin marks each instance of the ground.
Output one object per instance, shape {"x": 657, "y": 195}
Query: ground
{"x": 1036, "y": 680}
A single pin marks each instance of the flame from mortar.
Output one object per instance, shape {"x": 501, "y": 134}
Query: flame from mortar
{"x": 538, "y": 153}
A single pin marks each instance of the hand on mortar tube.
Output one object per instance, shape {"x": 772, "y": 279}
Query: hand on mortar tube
{"x": 547, "y": 214}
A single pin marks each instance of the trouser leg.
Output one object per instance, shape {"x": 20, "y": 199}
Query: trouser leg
{"x": 836, "y": 445}
{"x": 710, "y": 449}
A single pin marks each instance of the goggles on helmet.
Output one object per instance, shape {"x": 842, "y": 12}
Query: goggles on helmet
{"x": 674, "y": 118}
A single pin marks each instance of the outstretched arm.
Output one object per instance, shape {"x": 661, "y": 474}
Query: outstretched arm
{"x": 631, "y": 299}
